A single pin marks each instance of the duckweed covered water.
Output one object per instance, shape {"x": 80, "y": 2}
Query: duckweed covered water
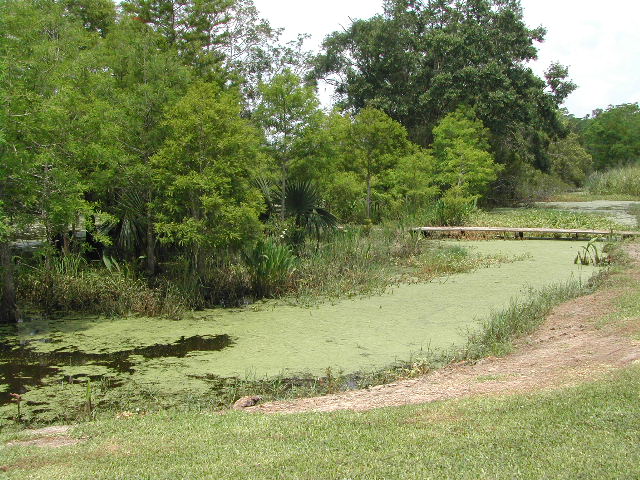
{"x": 618, "y": 210}
{"x": 174, "y": 357}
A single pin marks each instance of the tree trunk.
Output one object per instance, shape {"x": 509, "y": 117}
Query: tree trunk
{"x": 283, "y": 193}
{"x": 368, "y": 196}
{"x": 151, "y": 251}
{"x": 8, "y": 309}
{"x": 66, "y": 244}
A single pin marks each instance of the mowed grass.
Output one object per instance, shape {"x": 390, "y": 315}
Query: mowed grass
{"x": 586, "y": 432}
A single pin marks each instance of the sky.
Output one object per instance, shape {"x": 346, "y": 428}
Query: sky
{"x": 599, "y": 42}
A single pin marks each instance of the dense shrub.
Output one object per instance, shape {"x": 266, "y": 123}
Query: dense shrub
{"x": 454, "y": 208}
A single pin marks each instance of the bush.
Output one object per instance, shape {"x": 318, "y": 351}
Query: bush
{"x": 454, "y": 208}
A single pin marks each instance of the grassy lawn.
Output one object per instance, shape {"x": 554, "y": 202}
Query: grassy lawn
{"x": 592, "y": 431}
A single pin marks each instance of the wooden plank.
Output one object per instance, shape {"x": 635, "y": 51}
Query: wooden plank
{"x": 520, "y": 231}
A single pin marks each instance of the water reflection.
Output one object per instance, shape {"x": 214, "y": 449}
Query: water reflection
{"x": 22, "y": 367}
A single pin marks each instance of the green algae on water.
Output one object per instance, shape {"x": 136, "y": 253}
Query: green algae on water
{"x": 359, "y": 334}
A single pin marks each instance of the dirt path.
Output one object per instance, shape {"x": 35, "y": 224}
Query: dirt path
{"x": 567, "y": 349}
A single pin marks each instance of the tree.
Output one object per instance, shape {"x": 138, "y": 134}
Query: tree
{"x": 377, "y": 141}
{"x": 461, "y": 149}
{"x": 50, "y": 92}
{"x": 421, "y": 59}
{"x": 148, "y": 80}
{"x": 206, "y": 201}
{"x": 196, "y": 28}
{"x": 96, "y": 15}
{"x": 254, "y": 53}
{"x": 569, "y": 160}
{"x": 286, "y": 110}
{"x": 612, "y": 136}
{"x": 413, "y": 179}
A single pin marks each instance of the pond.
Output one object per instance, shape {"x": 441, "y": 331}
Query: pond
{"x": 174, "y": 357}
{"x": 618, "y": 210}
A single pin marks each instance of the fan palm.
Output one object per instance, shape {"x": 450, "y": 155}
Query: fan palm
{"x": 302, "y": 203}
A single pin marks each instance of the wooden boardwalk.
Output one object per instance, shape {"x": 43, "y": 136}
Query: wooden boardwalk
{"x": 520, "y": 231}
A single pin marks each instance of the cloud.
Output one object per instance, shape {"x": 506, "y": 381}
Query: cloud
{"x": 599, "y": 42}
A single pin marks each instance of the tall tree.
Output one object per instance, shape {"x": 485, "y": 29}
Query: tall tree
{"x": 462, "y": 152}
{"x": 569, "y": 160}
{"x": 421, "y": 59}
{"x": 286, "y": 110}
{"x": 206, "y": 200}
{"x": 48, "y": 90}
{"x": 148, "y": 80}
{"x": 612, "y": 136}
{"x": 196, "y": 28}
{"x": 378, "y": 141}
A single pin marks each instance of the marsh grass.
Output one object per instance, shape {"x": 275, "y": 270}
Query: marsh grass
{"x": 617, "y": 181}
{"x": 70, "y": 284}
{"x": 363, "y": 261}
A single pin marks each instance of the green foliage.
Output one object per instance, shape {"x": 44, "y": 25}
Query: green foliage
{"x": 270, "y": 265}
{"x": 377, "y": 142}
{"x": 286, "y": 111}
{"x": 206, "y": 200}
{"x": 68, "y": 284}
{"x": 570, "y": 162}
{"x": 420, "y": 61}
{"x": 613, "y": 136}
{"x": 49, "y": 90}
{"x": 412, "y": 180}
{"x": 521, "y": 183}
{"x": 618, "y": 181}
{"x": 454, "y": 208}
{"x": 303, "y": 204}
{"x": 345, "y": 196}
{"x": 196, "y": 28}
{"x": 461, "y": 149}
{"x": 96, "y": 15}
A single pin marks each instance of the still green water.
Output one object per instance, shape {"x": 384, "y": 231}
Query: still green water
{"x": 349, "y": 336}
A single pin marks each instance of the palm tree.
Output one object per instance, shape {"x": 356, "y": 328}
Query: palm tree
{"x": 302, "y": 202}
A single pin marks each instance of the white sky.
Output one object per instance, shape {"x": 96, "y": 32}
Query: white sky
{"x": 600, "y": 42}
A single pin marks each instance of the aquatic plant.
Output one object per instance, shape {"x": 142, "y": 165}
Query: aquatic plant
{"x": 69, "y": 286}
{"x": 589, "y": 254}
{"x": 270, "y": 266}
{"x": 543, "y": 218}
